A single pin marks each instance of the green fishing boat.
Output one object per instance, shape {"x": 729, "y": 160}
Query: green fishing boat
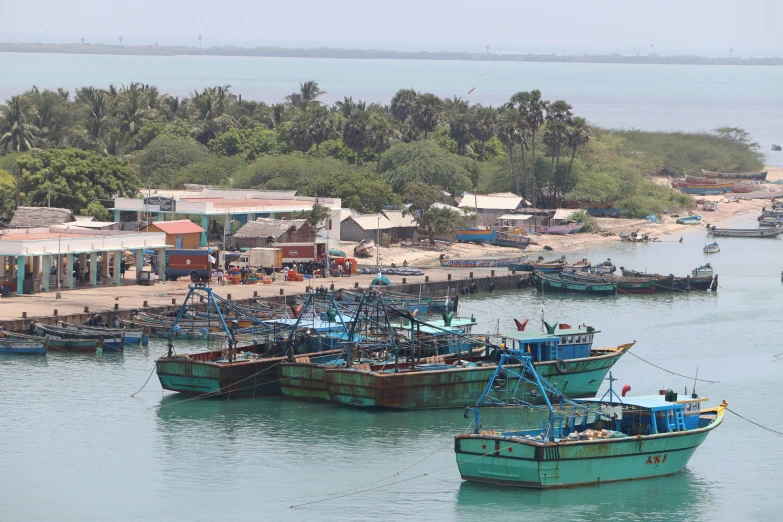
{"x": 586, "y": 442}
{"x": 548, "y": 283}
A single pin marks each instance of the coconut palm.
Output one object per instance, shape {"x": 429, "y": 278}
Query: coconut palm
{"x": 555, "y": 137}
{"x": 578, "y": 136}
{"x": 321, "y": 124}
{"x": 17, "y": 133}
{"x": 533, "y": 109}
{"x": 308, "y": 94}
{"x": 300, "y": 133}
{"x": 484, "y": 126}
{"x": 134, "y": 110}
{"x": 210, "y": 112}
{"x": 347, "y": 106}
{"x": 454, "y": 106}
{"x": 381, "y": 135}
{"x": 427, "y": 112}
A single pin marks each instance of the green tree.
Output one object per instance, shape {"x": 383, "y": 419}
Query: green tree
{"x": 403, "y": 104}
{"x": 427, "y": 112}
{"x": 211, "y": 170}
{"x": 315, "y": 216}
{"x": 300, "y": 132}
{"x": 355, "y": 132}
{"x": 510, "y": 134}
{"x": 7, "y": 194}
{"x": 381, "y": 135}
{"x": 577, "y": 138}
{"x": 96, "y": 210}
{"x": 533, "y": 109}
{"x": 426, "y": 162}
{"x": 308, "y": 95}
{"x": 421, "y": 197}
{"x": 74, "y": 179}
{"x": 359, "y": 190}
{"x": 17, "y": 133}
{"x": 484, "y": 126}
{"x": 167, "y": 155}
{"x": 460, "y": 130}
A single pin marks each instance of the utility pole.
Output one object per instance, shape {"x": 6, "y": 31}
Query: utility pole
{"x": 49, "y": 197}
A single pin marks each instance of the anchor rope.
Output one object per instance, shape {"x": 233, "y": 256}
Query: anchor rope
{"x": 145, "y": 382}
{"x": 671, "y": 372}
{"x": 774, "y": 432}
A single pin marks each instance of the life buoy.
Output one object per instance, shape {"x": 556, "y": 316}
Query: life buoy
{"x": 561, "y": 366}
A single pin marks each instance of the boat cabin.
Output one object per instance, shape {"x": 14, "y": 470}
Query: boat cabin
{"x": 567, "y": 343}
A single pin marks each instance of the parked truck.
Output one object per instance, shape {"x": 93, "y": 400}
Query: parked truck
{"x": 184, "y": 263}
{"x": 294, "y": 253}
{"x": 268, "y": 258}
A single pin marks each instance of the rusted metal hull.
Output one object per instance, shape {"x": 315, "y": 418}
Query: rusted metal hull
{"x": 514, "y": 461}
{"x": 240, "y": 379}
{"x": 450, "y": 388}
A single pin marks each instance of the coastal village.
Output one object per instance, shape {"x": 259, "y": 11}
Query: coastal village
{"x": 372, "y": 259}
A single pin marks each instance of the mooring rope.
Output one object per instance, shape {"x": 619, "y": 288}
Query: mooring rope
{"x": 671, "y": 372}
{"x": 145, "y": 382}
{"x": 774, "y": 432}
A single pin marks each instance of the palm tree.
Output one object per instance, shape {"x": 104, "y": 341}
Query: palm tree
{"x": 347, "y": 106}
{"x": 96, "y": 107}
{"x": 519, "y": 103}
{"x": 321, "y": 125}
{"x": 484, "y": 126}
{"x": 534, "y": 112}
{"x": 509, "y": 129}
{"x": 211, "y": 112}
{"x": 460, "y": 131}
{"x": 301, "y": 133}
{"x": 134, "y": 110}
{"x": 427, "y": 112}
{"x": 17, "y": 134}
{"x": 403, "y": 103}
{"x": 308, "y": 93}
{"x": 454, "y": 106}
{"x": 555, "y": 136}
{"x": 381, "y": 135}
{"x": 355, "y": 133}
{"x": 578, "y": 136}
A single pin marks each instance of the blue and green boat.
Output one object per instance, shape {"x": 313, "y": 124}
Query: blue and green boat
{"x": 579, "y": 442}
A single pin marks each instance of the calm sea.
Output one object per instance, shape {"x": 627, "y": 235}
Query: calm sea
{"x": 650, "y": 97}
{"x": 77, "y": 447}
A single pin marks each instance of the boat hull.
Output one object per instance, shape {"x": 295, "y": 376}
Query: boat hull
{"x": 457, "y": 387}
{"x": 750, "y": 232}
{"x": 760, "y": 176}
{"x": 547, "y": 285}
{"x": 479, "y": 263}
{"x": 511, "y": 461}
{"x": 560, "y": 230}
{"x": 23, "y": 348}
{"x": 72, "y": 345}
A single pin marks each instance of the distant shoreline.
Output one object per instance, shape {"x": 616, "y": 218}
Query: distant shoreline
{"x": 374, "y": 54}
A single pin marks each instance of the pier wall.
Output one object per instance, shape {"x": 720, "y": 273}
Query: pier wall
{"x": 481, "y": 283}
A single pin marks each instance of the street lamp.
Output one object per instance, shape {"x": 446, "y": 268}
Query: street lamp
{"x": 59, "y": 264}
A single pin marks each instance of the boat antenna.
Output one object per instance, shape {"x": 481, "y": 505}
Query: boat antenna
{"x": 694, "y": 395}
{"x": 610, "y": 392}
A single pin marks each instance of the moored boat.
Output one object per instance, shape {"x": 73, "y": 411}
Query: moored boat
{"x": 365, "y": 248}
{"x": 770, "y": 232}
{"x": 672, "y": 283}
{"x": 482, "y": 263}
{"x": 705, "y": 189}
{"x": 558, "y": 284}
{"x": 10, "y": 346}
{"x": 625, "y": 285}
{"x": 110, "y": 342}
{"x": 582, "y": 442}
{"x": 703, "y": 271}
{"x": 712, "y": 248}
{"x": 139, "y": 336}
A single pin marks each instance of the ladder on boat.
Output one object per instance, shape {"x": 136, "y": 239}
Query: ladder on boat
{"x": 675, "y": 420}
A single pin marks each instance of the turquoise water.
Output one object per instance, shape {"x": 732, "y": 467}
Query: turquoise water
{"x": 652, "y": 97}
{"x": 76, "y": 446}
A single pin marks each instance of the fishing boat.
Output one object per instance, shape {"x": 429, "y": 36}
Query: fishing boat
{"x": 702, "y": 271}
{"x": 365, "y": 248}
{"x": 743, "y": 187}
{"x": 579, "y": 442}
{"x": 560, "y": 230}
{"x": 111, "y": 341}
{"x": 760, "y": 176}
{"x": 605, "y": 267}
{"x": 710, "y": 206}
{"x": 579, "y": 266}
{"x": 705, "y": 189}
{"x": 540, "y": 265}
{"x": 506, "y": 239}
{"x": 249, "y": 370}
{"x": 689, "y": 220}
{"x": 493, "y": 237}
{"x": 746, "y": 232}
{"x": 675, "y": 284}
{"x": 138, "y": 336}
{"x": 558, "y": 284}
{"x": 20, "y": 346}
{"x": 475, "y": 235}
{"x": 771, "y": 222}
{"x": 712, "y": 248}
{"x": 625, "y": 285}
{"x": 482, "y": 263}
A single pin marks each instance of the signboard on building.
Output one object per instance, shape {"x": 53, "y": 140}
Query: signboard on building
{"x": 159, "y": 204}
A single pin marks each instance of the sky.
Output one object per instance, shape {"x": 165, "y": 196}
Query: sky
{"x": 750, "y": 28}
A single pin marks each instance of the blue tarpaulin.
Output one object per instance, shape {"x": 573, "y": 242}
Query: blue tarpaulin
{"x": 653, "y": 219}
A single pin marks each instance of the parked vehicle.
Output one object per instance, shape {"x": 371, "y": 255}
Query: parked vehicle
{"x": 269, "y": 258}
{"x": 184, "y": 263}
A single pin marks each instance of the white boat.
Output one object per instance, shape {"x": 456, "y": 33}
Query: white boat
{"x": 364, "y": 248}
{"x": 710, "y": 206}
{"x": 712, "y": 248}
{"x": 702, "y": 271}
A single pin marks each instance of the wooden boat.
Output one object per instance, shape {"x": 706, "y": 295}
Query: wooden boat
{"x": 625, "y": 285}
{"x": 712, "y": 248}
{"x": 139, "y": 336}
{"x": 710, "y": 206}
{"x": 560, "y": 230}
{"x": 10, "y": 346}
{"x": 539, "y": 265}
{"x": 581, "y": 442}
{"x": 493, "y": 237}
{"x": 365, "y": 248}
{"x": 579, "y": 266}
{"x": 72, "y": 345}
{"x": 556, "y": 284}
{"x": 475, "y": 235}
{"x": 743, "y": 187}
{"x": 452, "y": 380}
{"x": 482, "y": 263}
{"x": 746, "y": 232}
{"x": 510, "y": 240}
{"x": 771, "y": 222}
{"x": 689, "y": 220}
{"x": 114, "y": 342}
{"x": 703, "y": 271}
{"x": 760, "y": 176}
{"x": 705, "y": 188}
{"x": 675, "y": 284}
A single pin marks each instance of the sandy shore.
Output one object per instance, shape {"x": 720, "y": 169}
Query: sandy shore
{"x": 608, "y": 231}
